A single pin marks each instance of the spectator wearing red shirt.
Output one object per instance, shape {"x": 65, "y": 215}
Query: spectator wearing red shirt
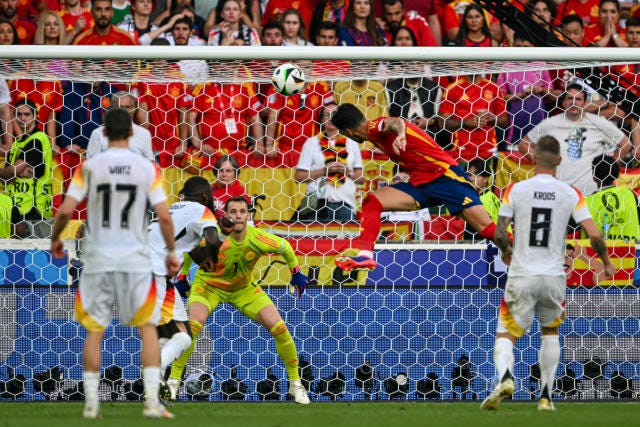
{"x": 588, "y": 10}
{"x": 76, "y": 18}
{"x": 226, "y": 170}
{"x": 31, "y": 9}
{"x": 291, "y": 120}
{"x": 25, "y": 29}
{"x": 471, "y": 108}
{"x": 275, "y": 9}
{"x": 395, "y": 16}
{"x": 474, "y": 29}
{"x": 454, "y": 14}
{"x": 224, "y": 120}
{"x": 607, "y": 32}
{"x": 103, "y": 32}
{"x": 426, "y": 8}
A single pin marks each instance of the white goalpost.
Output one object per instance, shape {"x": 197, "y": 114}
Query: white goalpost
{"x": 432, "y": 301}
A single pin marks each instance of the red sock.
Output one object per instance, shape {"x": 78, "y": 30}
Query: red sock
{"x": 370, "y": 225}
{"x": 489, "y": 232}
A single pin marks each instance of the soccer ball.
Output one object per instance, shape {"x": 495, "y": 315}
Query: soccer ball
{"x": 288, "y": 79}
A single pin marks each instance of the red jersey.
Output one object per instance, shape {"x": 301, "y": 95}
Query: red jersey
{"x": 423, "y": 159}
{"x": 454, "y": 11}
{"x": 593, "y": 33}
{"x": 298, "y": 114}
{"x": 420, "y": 28}
{"x": 589, "y": 11}
{"x": 164, "y": 100}
{"x": 115, "y": 36}
{"x": 26, "y": 30}
{"x": 463, "y": 99}
{"x": 222, "y": 193}
{"x": 224, "y": 112}
{"x": 47, "y": 95}
{"x": 69, "y": 20}
{"x": 30, "y": 9}
{"x": 275, "y": 9}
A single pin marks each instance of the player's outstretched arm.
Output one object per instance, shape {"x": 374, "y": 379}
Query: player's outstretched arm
{"x": 598, "y": 245}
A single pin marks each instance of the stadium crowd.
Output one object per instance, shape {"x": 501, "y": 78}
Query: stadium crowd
{"x": 47, "y": 125}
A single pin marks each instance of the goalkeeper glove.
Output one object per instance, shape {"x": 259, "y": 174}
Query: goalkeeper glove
{"x": 181, "y": 283}
{"x": 299, "y": 280}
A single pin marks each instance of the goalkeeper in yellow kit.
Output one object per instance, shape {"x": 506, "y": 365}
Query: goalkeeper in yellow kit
{"x": 229, "y": 279}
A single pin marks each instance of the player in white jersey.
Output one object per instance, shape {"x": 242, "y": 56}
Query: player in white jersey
{"x": 193, "y": 219}
{"x": 117, "y": 184}
{"x": 540, "y": 209}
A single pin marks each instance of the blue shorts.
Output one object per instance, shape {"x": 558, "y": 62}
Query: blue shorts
{"x": 453, "y": 190}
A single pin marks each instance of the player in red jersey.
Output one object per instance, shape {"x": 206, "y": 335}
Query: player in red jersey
{"x": 435, "y": 179}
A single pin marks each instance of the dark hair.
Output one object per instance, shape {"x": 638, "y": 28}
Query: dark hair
{"x": 328, "y": 25}
{"x": 407, "y": 29}
{"x": 29, "y": 103}
{"x": 480, "y": 166}
{"x": 605, "y": 169}
{"x": 183, "y": 20}
{"x": 616, "y": 2}
{"x": 575, "y": 86}
{"x": 347, "y": 116}
{"x": 235, "y": 199}
{"x": 464, "y": 31}
{"x": 392, "y": 2}
{"x": 553, "y": 9}
{"x": 195, "y": 186}
{"x": 117, "y": 124}
{"x": 372, "y": 26}
{"x": 632, "y": 21}
{"x": 274, "y": 23}
{"x": 160, "y": 41}
{"x": 16, "y": 39}
{"x": 572, "y": 17}
{"x": 226, "y": 158}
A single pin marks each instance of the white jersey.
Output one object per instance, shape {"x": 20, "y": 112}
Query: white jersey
{"x": 117, "y": 184}
{"x": 139, "y": 142}
{"x": 540, "y": 208}
{"x": 189, "y": 221}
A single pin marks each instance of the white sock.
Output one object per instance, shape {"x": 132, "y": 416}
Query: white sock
{"x": 503, "y": 356}
{"x": 549, "y": 357}
{"x": 368, "y": 254}
{"x": 173, "y": 349}
{"x": 151, "y": 380}
{"x": 91, "y": 381}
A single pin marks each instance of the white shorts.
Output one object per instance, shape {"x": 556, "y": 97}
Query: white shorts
{"x": 135, "y": 294}
{"x": 525, "y": 296}
{"x": 172, "y": 306}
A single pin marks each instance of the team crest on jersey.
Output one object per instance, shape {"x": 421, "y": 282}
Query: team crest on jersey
{"x": 489, "y": 95}
{"x": 250, "y": 256}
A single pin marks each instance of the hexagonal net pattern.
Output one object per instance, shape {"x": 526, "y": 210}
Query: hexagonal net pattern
{"x": 419, "y": 326}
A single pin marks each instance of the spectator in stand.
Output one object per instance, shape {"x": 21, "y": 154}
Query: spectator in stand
{"x": 50, "y": 30}
{"x": 103, "y": 31}
{"x": 572, "y": 29}
{"x": 614, "y": 209}
{"x": 291, "y": 120}
{"x": 543, "y": 13}
{"x": 327, "y": 35}
{"x": 121, "y": 12}
{"x": 8, "y": 33}
{"x": 582, "y": 136}
{"x": 587, "y": 10}
{"x": 607, "y": 32}
{"x": 474, "y": 30}
{"x": 226, "y": 185}
{"x": 326, "y": 11}
{"x": 275, "y": 8}
{"x": 181, "y": 35}
{"x": 416, "y": 99}
{"x": 183, "y": 6}
{"x": 423, "y": 8}
{"x": 472, "y": 107}
{"x": 230, "y": 27}
{"x": 454, "y": 14}
{"x": 139, "y": 141}
{"x": 331, "y": 166}
{"x": 524, "y": 92}
{"x": 273, "y": 34}
{"x": 29, "y": 173}
{"x": 223, "y": 120}
{"x": 31, "y": 9}
{"x": 76, "y": 17}
{"x": 177, "y": 31}
{"x": 249, "y": 10}
{"x": 140, "y": 24}
{"x": 295, "y": 31}
{"x": 24, "y": 28}
{"x": 359, "y": 27}
{"x": 394, "y": 16}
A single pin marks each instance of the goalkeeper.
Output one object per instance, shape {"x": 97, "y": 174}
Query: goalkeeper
{"x": 435, "y": 179}
{"x": 192, "y": 218}
{"x": 231, "y": 281}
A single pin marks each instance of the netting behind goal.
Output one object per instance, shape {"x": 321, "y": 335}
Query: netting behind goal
{"x": 425, "y": 317}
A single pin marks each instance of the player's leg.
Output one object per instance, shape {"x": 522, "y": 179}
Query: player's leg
{"x": 91, "y": 356}
{"x": 259, "y": 307}
{"x": 384, "y": 199}
{"x": 150, "y": 358}
{"x": 198, "y": 313}
{"x": 173, "y": 331}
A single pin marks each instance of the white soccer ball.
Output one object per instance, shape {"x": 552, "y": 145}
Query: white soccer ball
{"x": 288, "y": 79}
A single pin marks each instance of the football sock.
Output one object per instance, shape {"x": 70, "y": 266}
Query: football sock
{"x": 177, "y": 367}
{"x": 489, "y": 232}
{"x": 503, "y": 356}
{"x": 151, "y": 380}
{"x": 90, "y": 382}
{"x": 173, "y": 348}
{"x": 370, "y": 225}
{"x": 549, "y": 358}
{"x": 286, "y": 349}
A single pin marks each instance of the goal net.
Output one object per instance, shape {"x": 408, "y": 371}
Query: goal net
{"x": 420, "y": 326}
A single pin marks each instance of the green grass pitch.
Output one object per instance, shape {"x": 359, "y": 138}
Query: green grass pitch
{"x": 319, "y": 414}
